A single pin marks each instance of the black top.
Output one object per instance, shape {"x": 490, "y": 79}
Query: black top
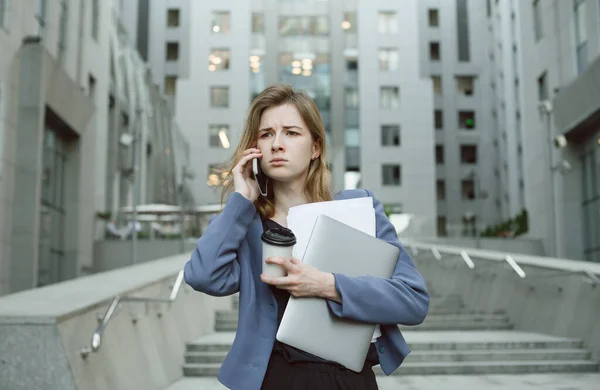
{"x": 290, "y": 353}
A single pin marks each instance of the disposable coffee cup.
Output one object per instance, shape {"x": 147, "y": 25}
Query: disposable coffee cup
{"x": 277, "y": 242}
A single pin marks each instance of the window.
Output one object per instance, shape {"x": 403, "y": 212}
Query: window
{"x": 437, "y": 85}
{"x": 349, "y": 23}
{"x": 468, "y": 154}
{"x": 441, "y": 226}
{"x": 4, "y": 14}
{"x": 220, "y": 22}
{"x": 218, "y": 60}
{"x": 62, "y": 33}
{"x": 466, "y": 120}
{"x": 172, "y": 51}
{"x": 468, "y": 189}
{"x": 440, "y": 187}
{"x": 538, "y": 28}
{"x": 433, "y": 18}
{"x": 351, "y": 98}
{"x": 389, "y": 97}
{"x": 465, "y": 85}
{"x": 258, "y": 23}
{"x": 590, "y": 163}
{"x": 303, "y": 25}
{"x": 462, "y": 30}
{"x": 388, "y": 59}
{"x": 219, "y": 97}
{"x": 542, "y": 87}
{"x": 170, "y": 85}
{"x": 95, "y": 19}
{"x": 40, "y": 15}
{"x": 580, "y": 35}
{"x": 391, "y": 175}
{"x": 388, "y": 22}
{"x": 173, "y": 17}
{"x": 352, "y": 65}
{"x": 438, "y": 118}
{"x": 2, "y": 121}
{"x": 434, "y": 51}
{"x": 390, "y": 135}
{"x": 216, "y": 176}
{"x": 218, "y": 136}
{"x": 352, "y": 138}
{"x": 439, "y": 154}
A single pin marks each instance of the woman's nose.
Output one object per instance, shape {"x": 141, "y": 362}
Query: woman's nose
{"x": 277, "y": 144}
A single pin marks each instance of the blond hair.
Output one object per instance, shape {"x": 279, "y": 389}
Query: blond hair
{"x": 317, "y": 187}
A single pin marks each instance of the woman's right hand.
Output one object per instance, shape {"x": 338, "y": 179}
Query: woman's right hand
{"x": 243, "y": 178}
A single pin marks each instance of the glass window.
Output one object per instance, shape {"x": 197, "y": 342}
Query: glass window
{"x": 218, "y": 60}
{"x": 349, "y": 23}
{"x": 437, "y": 85}
{"x": 352, "y": 138}
{"x": 4, "y": 13}
{"x": 440, "y": 186}
{"x": 390, "y": 135}
{"x": 462, "y": 30}
{"x": 389, "y": 97}
{"x": 538, "y": 28}
{"x": 172, "y": 51}
{"x": 580, "y": 35}
{"x": 433, "y": 17}
{"x": 220, "y": 22}
{"x": 434, "y": 51}
{"x": 388, "y": 59}
{"x": 173, "y": 17}
{"x": 439, "y": 154}
{"x": 391, "y": 174}
{"x": 466, "y": 120}
{"x": 351, "y": 98}
{"x": 303, "y": 25}
{"x": 439, "y": 119}
{"x": 465, "y": 85}
{"x": 542, "y": 87}
{"x": 258, "y": 22}
{"x": 216, "y": 176}
{"x": 219, "y": 97}
{"x": 591, "y": 199}
{"x": 52, "y": 209}
{"x": 40, "y": 15}
{"x": 468, "y": 189}
{"x": 468, "y": 154}
{"x": 441, "y": 226}
{"x": 218, "y": 136}
{"x": 388, "y": 22}
{"x": 62, "y": 32}
{"x": 170, "y": 85}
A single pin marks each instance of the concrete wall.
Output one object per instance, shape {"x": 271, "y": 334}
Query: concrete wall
{"x": 549, "y": 300}
{"x": 112, "y": 254}
{"x": 43, "y": 330}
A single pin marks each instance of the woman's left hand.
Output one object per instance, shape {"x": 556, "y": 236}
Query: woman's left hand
{"x": 303, "y": 280}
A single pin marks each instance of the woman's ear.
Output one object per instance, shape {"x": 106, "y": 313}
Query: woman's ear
{"x": 316, "y": 152}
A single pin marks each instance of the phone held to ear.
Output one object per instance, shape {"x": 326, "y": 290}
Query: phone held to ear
{"x": 260, "y": 177}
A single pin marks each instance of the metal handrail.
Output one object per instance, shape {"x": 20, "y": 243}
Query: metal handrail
{"x": 97, "y": 335}
{"x": 437, "y": 254}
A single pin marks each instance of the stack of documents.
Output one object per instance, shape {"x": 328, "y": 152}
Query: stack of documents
{"x": 357, "y": 213}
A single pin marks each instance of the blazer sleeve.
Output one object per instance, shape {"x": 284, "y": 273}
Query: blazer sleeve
{"x": 213, "y": 267}
{"x": 402, "y": 299}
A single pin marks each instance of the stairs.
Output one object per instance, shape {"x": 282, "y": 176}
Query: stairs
{"x": 451, "y": 341}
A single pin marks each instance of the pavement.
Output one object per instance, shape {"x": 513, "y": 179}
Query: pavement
{"x": 449, "y": 382}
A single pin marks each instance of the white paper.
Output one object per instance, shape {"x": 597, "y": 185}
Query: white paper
{"x": 357, "y": 213}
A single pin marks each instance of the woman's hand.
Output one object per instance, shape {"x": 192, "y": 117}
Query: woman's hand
{"x": 303, "y": 280}
{"x": 243, "y": 178}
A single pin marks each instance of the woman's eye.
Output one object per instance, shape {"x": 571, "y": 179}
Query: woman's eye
{"x": 293, "y": 133}
{"x": 265, "y": 135}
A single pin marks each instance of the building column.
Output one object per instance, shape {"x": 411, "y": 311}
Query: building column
{"x": 28, "y": 163}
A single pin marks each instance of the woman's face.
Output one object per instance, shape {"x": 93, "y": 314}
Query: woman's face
{"x": 286, "y": 144}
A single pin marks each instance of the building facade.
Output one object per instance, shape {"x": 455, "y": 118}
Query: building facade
{"x": 70, "y": 87}
{"x": 215, "y": 58}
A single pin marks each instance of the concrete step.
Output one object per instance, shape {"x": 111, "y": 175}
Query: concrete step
{"x": 496, "y": 367}
{"x": 449, "y": 368}
{"x": 446, "y": 356}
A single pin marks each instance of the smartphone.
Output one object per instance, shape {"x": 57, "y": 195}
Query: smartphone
{"x": 260, "y": 177}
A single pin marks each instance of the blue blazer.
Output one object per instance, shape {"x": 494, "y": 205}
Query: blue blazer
{"x": 228, "y": 259}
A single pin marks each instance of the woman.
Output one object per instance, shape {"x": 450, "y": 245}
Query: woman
{"x": 285, "y": 131}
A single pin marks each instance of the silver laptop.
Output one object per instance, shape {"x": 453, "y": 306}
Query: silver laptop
{"x": 307, "y": 323}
